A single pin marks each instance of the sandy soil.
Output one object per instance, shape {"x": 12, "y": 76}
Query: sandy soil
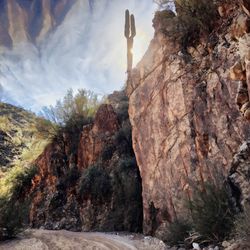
{"x": 56, "y": 240}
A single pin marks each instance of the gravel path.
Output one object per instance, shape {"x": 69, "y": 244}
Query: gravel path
{"x": 57, "y": 240}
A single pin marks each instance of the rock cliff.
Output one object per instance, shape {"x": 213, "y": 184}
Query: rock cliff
{"x": 184, "y": 107}
{"x": 89, "y": 180}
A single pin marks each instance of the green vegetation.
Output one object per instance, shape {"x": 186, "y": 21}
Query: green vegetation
{"x": 211, "y": 218}
{"x": 242, "y": 225}
{"x": 72, "y": 108}
{"x": 193, "y": 19}
{"x": 13, "y": 203}
{"x": 177, "y": 232}
{"x": 95, "y": 183}
{"x": 212, "y": 213}
{"x": 11, "y": 219}
{"x": 21, "y": 144}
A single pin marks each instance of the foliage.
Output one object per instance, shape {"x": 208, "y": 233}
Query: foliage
{"x": 177, "y": 232}
{"x": 45, "y": 128}
{"x": 83, "y": 104}
{"x": 242, "y": 225}
{"x": 22, "y": 181}
{"x": 71, "y": 178}
{"x": 13, "y": 213}
{"x": 194, "y": 18}
{"x": 108, "y": 152}
{"x": 123, "y": 139}
{"x": 15, "y": 180}
{"x": 95, "y": 183}
{"x": 212, "y": 213}
{"x": 11, "y": 218}
{"x": 126, "y": 183}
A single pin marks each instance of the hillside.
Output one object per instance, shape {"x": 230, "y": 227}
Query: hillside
{"x": 20, "y": 142}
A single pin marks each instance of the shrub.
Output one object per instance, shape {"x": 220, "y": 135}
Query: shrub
{"x": 177, "y": 232}
{"x": 81, "y": 105}
{"x": 212, "y": 213}
{"x": 71, "y": 177}
{"x": 108, "y": 152}
{"x": 13, "y": 203}
{"x": 95, "y": 183}
{"x": 10, "y": 219}
{"x": 194, "y": 18}
{"x": 242, "y": 225}
{"x": 22, "y": 181}
{"x": 123, "y": 139}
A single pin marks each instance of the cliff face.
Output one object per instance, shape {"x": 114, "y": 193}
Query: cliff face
{"x": 186, "y": 123}
{"x": 91, "y": 183}
{"x": 23, "y": 20}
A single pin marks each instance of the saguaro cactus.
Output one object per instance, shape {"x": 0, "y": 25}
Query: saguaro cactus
{"x": 130, "y": 33}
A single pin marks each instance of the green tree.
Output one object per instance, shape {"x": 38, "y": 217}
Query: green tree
{"x": 72, "y": 107}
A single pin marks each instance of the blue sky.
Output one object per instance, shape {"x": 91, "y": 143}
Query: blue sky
{"x": 87, "y": 51}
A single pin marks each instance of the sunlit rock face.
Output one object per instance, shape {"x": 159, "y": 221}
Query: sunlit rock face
{"x": 186, "y": 123}
{"x": 30, "y": 20}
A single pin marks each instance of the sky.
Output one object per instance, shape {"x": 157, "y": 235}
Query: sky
{"x": 88, "y": 50}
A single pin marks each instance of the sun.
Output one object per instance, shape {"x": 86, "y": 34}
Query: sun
{"x": 140, "y": 46}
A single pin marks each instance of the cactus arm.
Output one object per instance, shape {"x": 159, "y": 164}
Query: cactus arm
{"x": 133, "y": 30}
{"x": 127, "y": 24}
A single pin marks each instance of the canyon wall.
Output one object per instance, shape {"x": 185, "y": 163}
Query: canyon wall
{"x": 184, "y": 108}
{"x": 88, "y": 180}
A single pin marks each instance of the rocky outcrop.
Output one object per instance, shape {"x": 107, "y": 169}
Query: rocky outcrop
{"x": 96, "y": 137}
{"x": 186, "y": 125}
{"x": 240, "y": 175}
{"x": 90, "y": 184}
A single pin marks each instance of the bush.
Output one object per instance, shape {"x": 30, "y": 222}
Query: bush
{"x": 83, "y": 104}
{"x": 194, "y": 18}
{"x": 95, "y": 183}
{"x": 242, "y": 225}
{"x": 12, "y": 217}
{"x": 22, "y": 181}
{"x": 123, "y": 139}
{"x": 13, "y": 202}
{"x": 107, "y": 153}
{"x": 212, "y": 213}
{"x": 177, "y": 232}
{"x": 71, "y": 178}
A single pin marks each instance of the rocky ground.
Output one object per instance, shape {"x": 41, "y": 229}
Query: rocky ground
{"x": 55, "y": 240}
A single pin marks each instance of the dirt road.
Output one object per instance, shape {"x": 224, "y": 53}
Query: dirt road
{"x": 65, "y": 240}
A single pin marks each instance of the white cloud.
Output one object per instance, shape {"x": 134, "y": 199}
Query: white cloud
{"x": 88, "y": 51}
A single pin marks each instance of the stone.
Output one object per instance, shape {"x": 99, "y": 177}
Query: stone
{"x": 63, "y": 196}
{"x": 245, "y": 4}
{"x": 185, "y": 121}
{"x": 196, "y": 246}
{"x": 237, "y": 73}
{"x": 240, "y": 175}
{"x": 240, "y": 27}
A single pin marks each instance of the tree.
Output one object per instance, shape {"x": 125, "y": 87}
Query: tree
{"x": 82, "y": 105}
